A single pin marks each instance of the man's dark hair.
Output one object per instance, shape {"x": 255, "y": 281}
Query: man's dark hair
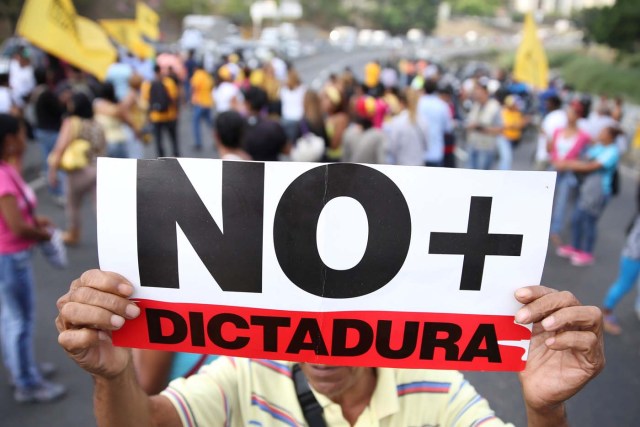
{"x": 40, "y": 74}
{"x": 9, "y": 125}
{"x": 81, "y": 106}
{"x": 554, "y": 102}
{"x": 256, "y": 98}
{"x": 430, "y": 86}
{"x": 230, "y": 127}
{"x": 156, "y": 69}
{"x": 108, "y": 92}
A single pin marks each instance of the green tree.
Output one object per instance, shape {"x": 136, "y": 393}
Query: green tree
{"x": 616, "y": 26}
{"x": 398, "y": 16}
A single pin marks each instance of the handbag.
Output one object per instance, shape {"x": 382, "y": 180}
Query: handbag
{"x": 54, "y": 249}
{"x": 591, "y": 197}
{"x": 76, "y": 155}
{"x": 309, "y": 147}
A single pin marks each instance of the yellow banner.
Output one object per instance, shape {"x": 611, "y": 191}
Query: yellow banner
{"x": 531, "y": 64}
{"x": 127, "y": 33}
{"x": 54, "y": 27}
{"x": 148, "y": 21}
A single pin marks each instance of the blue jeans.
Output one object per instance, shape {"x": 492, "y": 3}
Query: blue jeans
{"x": 584, "y": 230}
{"x": 47, "y": 140}
{"x": 566, "y": 184}
{"x": 291, "y": 129}
{"x": 505, "y": 151}
{"x": 17, "y": 318}
{"x": 627, "y": 276}
{"x": 200, "y": 114}
{"x": 118, "y": 151}
{"x": 481, "y": 159}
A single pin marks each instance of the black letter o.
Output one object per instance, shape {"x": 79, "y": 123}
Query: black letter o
{"x": 296, "y": 221}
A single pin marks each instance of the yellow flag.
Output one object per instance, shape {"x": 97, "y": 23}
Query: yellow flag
{"x": 127, "y": 33}
{"x": 531, "y": 65}
{"x": 54, "y": 27}
{"x": 148, "y": 21}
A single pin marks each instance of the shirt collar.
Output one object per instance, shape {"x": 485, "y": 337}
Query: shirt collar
{"x": 384, "y": 401}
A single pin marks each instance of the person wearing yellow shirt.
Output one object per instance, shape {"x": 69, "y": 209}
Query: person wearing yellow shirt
{"x": 161, "y": 94}
{"x": 202, "y": 101}
{"x": 513, "y": 121}
{"x": 372, "y": 79}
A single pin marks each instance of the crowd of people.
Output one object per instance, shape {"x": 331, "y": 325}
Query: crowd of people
{"x": 408, "y": 113}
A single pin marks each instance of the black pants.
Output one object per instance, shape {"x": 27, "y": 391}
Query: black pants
{"x": 172, "y": 130}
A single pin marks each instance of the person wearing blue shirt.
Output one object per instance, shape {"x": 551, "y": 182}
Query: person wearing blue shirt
{"x": 435, "y": 112}
{"x": 598, "y": 169}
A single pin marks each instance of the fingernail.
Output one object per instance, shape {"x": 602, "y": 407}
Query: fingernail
{"x": 125, "y": 289}
{"x": 550, "y": 341}
{"x": 132, "y": 311}
{"x": 523, "y": 293}
{"x": 103, "y": 336}
{"x": 522, "y": 316}
{"x": 548, "y": 322}
{"x": 117, "y": 321}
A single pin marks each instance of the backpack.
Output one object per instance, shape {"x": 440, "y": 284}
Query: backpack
{"x": 159, "y": 100}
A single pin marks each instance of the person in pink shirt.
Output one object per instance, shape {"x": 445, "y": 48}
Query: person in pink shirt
{"x": 567, "y": 143}
{"x": 20, "y": 230}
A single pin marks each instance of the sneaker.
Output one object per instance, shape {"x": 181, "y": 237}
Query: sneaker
{"x": 43, "y": 393}
{"x": 566, "y": 251}
{"x": 582, "y": 259}
{"x": 611, "y": 325}
{"x": 47, "y": 370}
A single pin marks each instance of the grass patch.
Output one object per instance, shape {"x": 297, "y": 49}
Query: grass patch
{"x": 591, "y": 74}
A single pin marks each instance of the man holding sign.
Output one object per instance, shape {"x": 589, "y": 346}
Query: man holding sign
{"x": 337, "y": 267}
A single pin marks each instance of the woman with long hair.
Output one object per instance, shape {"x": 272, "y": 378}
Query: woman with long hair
{"x": 111, "y": 116}
{"x": 79, "y": 125}
{"x": 407, "y": 133}
{"x": 20, "y": 230}
{"x": 135, "y": 110}
{"x": 566, "y": 144}
{"x": 336, "y": 120}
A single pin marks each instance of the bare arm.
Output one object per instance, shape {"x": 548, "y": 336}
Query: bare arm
{"x": 152, "y": 369}
{"x": 64, "y": 139}
{"x": 122, "y": 402}
{"x": 95, "y": 305}
{"x": 18, "y": 226}
{"x": 579, "y": 166}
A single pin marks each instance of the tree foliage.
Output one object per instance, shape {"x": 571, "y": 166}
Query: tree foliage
{"x": 398, "y": 16}
{"x": 616, "y": 26}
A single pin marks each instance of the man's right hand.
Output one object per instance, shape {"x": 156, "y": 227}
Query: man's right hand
{"x": 96, "y": 304}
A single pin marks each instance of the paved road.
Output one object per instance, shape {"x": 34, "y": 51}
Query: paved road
{"x": 611, "y": 400}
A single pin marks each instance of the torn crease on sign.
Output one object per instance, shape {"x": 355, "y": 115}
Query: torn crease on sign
{"x": 226, "y": 258}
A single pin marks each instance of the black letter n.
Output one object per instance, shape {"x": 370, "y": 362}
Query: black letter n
{"x": 165, "y": 197}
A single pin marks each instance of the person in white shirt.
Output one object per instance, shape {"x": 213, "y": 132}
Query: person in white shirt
{"x": 227, "y": 96}
{"x": 292, "y": 99}
{"x": 21, "y": 78}
{"x": 6, "y": 98}
{"x": 555, "y": 119}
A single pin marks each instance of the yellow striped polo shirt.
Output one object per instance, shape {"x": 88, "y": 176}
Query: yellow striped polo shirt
{"x": 239, "y": 392}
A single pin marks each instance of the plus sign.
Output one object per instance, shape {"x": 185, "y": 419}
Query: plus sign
{"x": 475, "y": 244}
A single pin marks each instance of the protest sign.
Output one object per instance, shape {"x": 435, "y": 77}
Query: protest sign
{"x": 341, "y": 264}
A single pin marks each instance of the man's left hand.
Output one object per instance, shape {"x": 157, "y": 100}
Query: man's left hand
{"x": 566, "y": 350}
